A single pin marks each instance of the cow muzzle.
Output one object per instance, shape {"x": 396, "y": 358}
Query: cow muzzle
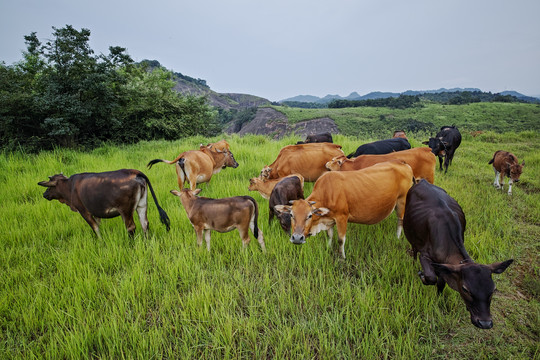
{"x": 298, "y": 239}
{"x": 482, "y": 324}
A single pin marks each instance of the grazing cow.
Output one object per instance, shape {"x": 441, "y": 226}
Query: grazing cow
{"x": 222, "y": 215}
{"x": 444, "y": 144}
{"x": 265, "y": 186}
{"x": 434, "y": 225}
{"x": 288, "y": 189}
{"x": 365, "y": 196}
{"x": 421, "y": 160}
{"x": 105, "y": 195}
{"x": 506, "y": 164}
{"x": 399, "y": 134}
{"x": 381, "y": 147}
{"x": 307, "y": 160}
{"x": 317, "y": 138}
{"x": 198, "y": 166}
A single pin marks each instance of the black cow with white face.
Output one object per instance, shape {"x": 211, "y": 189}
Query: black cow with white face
{"x": 434, "y": 225}
{"x": 381, "y": 147}
{"x": 444, "y": 144}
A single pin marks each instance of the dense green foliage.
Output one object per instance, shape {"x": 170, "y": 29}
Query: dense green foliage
{"x": 61, "y": 94}
{"x": 66, "y": 294}
{"x": 401, "y": 102}
{"x": 380, "y": 122}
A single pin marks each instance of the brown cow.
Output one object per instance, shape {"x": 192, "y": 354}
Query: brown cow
{"x": 434, "y": 225}
{"x": 365, "y": 196}
{"x": 400, "y": 134}
{"x": 265, "y": 186}
{"x": 198, "y": 166}
{"x": 307, "y": 160}
{"x": 421, "y": 160}
{"x": 223, "y": 215}
{"x": 506, "y": 164}
{"x": 104, "y": 195}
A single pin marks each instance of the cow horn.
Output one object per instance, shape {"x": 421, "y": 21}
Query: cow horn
{"x": 311, "y": 202}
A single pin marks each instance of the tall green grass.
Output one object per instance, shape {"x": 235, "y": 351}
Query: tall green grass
{"x": 66, "y": 294}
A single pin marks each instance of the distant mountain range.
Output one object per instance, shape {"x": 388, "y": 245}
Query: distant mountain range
{"x": 381, "y": 95}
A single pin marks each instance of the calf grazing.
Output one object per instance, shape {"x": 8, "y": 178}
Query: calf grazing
{"x": 421, "y": 160}
{"x": 265, "y": 186}
{"x": 434, "y": 225}
{"x": 317, "y": 138}
{"x": 223, "y": 215}
{"x": 288, "y": 189}
{"x": 307, "y": 160}
{"x": 365, "y": 196}
{"x": 506, "y": 164}
{"x": 444, "y": 144}
{"x": 105, "y": 195}
{"x": 382, "y": 147}
{"x": 198, "y": 166}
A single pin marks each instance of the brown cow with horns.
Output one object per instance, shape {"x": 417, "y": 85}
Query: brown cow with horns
{"x": 105, "y": 195}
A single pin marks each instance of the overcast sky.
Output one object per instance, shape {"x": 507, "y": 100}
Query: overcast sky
{"x": 281, "y": 48}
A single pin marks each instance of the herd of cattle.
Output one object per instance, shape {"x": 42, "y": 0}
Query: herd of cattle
{"x": 364, "y": 188}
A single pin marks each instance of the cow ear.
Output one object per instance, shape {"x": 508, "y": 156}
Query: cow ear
{"x": 498, "y": 268}
{"x": 196, "y": 191}
{"x": 283, "y": 209}
{"x": 175, "y": 192}
{"x": 47, "y": 183}
{"x": 443, "y": 269}
{"x": 320, "y": 211}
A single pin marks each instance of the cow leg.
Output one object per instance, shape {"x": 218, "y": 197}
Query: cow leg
{"x": 270, "y": 215}
{"x": 330, "y": 235}
{"x": 92, "y": 222}
{"x": 446, "y": 163}
{"x": 244, "y": 234}
{"x": 142, "y": 208}
{"x": 207, "y": 238}
{"x": 440, "y": 285}
{"x": 496, "y": 181}
{"x": 428, "y": 275}
{"x": 199, "y": 232}
{"x": 260, "y": 240}
{"x": 341, "y": 225}
{"x": 440, "y": 163}
{"x": 510, "y": 182}
{"x": 130, "y": 223}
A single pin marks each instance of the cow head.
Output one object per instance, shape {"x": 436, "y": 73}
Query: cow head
{"x": 221, "y": 151}
{"x": 186, "y": 196}
{"x": 305, "y": 219}
{"x": 335, "y": 163}
{"x": 515, "y": 170}
{"x": 56, "y": 189}
{"x": 475, "y": 285}
{"x": 437, "y": 145}
{"x": 254, "y": 184}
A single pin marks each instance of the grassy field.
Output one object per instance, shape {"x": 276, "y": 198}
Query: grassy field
{"x": 66, "y": 294}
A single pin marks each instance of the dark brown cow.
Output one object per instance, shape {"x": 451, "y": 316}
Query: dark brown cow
{"x": 105, "y": 195}
{"x": 434, "y": 224}
{"x": 223, "y": 215}
{"x": 506, "y": 164}
{"x": 307, "y": 160}
{"x": 317, "y": 138}
{"x": 365, "y": 196}
{"x": 289, "y": 188}
{"x": 198, "y": 166}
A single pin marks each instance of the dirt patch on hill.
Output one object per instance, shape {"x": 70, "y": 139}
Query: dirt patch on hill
{"x": 275, "y": 124}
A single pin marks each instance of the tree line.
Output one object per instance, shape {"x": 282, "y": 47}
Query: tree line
{"x": 62, "y": 94}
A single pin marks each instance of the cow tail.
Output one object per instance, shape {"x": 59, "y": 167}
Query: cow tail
{"x": 350, "y": 155}
{"x": 255, "y": 217}
{"x": 162, "y": 214}
{"x": 491, "y": 161}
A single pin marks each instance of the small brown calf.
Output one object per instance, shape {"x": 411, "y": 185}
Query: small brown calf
{"x": 506, "y": 164}
{"x": 222, "y": 215}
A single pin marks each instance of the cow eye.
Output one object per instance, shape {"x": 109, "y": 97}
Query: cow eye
{"x": 309, "y": 216}
{"x": 465, "y": 290}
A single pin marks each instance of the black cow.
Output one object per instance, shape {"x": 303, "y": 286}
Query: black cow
{"x": 317, "y": 138}
{"x": 381, "y": 147}
{"x": 434, "y": 224}
{"x": 444, "y": 144}
{"x": 105, "y": 195}
{"x": 290, "y": 188}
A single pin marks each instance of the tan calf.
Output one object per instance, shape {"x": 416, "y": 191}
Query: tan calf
{"x": 265, "y": 186}
{"x": 198, "y": 166}
{"x": 421, "y": 160}
{"x": 506, "y": 164}
{"x": 365, "y": 196}
{"x": 222, "y": 215}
